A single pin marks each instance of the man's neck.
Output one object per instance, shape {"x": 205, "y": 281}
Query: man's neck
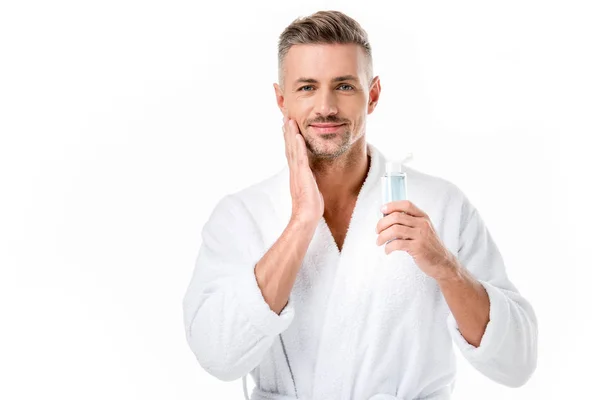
{"x": 341, "y": 180}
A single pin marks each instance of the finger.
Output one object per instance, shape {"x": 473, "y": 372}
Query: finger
{"x": 286, "y": 144}
{"x": 396, "y": 218}
{"x": 302, "y": 159}
{"x": 292, "y": 127}
{"x": 293, "y": 132}
{"x": 284, "y": 126}
{"x": 399, "y": 244}
{"x": 403, "y": 206}
{"x": 396, "y": 232}
{"x": 289, "y": 143}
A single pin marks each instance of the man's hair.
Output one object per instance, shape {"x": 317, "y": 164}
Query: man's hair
{"x": 324, "y": 27}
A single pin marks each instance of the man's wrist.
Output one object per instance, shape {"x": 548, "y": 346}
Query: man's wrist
{"x": 452, "y": 273}
{"x": 302, "y": 222}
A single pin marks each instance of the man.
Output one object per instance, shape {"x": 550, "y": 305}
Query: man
{"x": 302, "y": 283}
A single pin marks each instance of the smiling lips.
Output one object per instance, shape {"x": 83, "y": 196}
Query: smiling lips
{"x": 326, "y": 128}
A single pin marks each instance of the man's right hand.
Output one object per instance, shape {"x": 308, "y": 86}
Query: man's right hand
{"x": 307, "y": 200}
{"x": 277, "y": 270}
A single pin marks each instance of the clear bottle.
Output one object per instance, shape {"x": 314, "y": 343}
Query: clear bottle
{"x": 393, "y": 182}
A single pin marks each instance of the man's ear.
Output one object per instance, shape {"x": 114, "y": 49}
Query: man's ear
{"x": 280, "y": 99}
{"x": 374, "y": 92}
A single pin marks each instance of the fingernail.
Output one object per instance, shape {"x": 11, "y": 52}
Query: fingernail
{"x": 384, "y": 208}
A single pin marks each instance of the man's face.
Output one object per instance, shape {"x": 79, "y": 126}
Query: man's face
{"x": 325, "y": 90}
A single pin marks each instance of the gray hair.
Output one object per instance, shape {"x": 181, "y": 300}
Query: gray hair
{"x": 324, "y": 27}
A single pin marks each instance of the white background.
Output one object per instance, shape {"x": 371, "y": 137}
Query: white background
{"x": 123, "y": 123}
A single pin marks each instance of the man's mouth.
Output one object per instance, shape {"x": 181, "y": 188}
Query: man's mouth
{"x": 326, "y": 128}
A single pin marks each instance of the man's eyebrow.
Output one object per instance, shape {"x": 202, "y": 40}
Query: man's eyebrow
{"x": 345, "y": 78}
{"x": 336, "y": 79}
{"x": 306, "y": 80}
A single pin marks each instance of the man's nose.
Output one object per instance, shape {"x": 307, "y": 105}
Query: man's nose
{"x": 327, "y": 103}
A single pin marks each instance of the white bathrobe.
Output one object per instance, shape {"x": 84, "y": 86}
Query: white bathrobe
{"x": 359, "y": 324}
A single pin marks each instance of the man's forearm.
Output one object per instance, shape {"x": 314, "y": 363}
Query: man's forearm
{"x": 469, "y": 303}
{"x": 277, "y": 270}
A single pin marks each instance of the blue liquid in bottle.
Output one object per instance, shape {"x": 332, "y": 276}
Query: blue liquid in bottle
{"x": 393, "y": 183}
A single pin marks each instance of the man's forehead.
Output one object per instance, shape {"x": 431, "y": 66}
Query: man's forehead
{"x": 326, "y": 52}
{"x": 324, "y": 61}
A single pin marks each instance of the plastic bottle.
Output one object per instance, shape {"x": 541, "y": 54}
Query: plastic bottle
{"x": 393, "y": 182}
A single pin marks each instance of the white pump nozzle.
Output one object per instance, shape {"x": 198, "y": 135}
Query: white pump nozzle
{"x": 407, "y": 158}
{"x": 392, "y": 167}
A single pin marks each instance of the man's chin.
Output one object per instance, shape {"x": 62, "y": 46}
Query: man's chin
{"x": 327, "y": 146}
{"x": 327, "y": 152}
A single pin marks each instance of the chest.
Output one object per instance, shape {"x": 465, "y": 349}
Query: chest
{"x": 338, "y": 223}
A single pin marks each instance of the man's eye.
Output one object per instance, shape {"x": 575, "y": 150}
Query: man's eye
{"x": 304, "y": 87}
{"x": 348, "y": 87}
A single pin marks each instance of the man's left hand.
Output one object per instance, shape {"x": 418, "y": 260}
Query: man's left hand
{"x": 408, "y": 228}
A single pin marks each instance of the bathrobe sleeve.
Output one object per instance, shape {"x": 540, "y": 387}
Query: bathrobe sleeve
{"x": 228, "y": 324}
{"x": 508, "y": 350}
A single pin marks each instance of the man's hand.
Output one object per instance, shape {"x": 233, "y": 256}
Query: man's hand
{"x": 408, "y": 228}
{"x": 307, "y": 200}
